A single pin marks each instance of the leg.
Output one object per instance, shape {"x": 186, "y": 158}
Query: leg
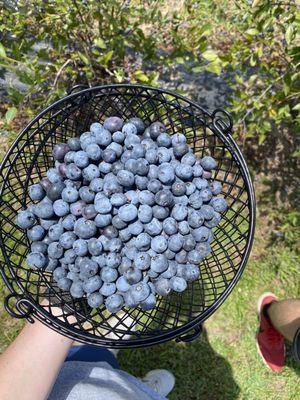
{"x": 285, "y": 317}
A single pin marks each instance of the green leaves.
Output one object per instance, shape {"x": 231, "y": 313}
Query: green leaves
{"x": 10, "y": 114}
{"x": 2, "y": 51}
{"x": 289, "y": 33}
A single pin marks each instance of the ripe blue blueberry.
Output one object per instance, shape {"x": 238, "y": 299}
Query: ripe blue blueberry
{"x": 138, "y": 123}
{"x": 142, "y": 167}
{"x": 207, "y": 211}
{"x": 76, "y": 290}
{"x": 55, "y": 250}
{"x": 55, "y": 190}
{"x": 128, "y": 212}
{"x": 191, "y": 272}
{"x": 190, "y": 188}
{"x": 138, "y": 151}
{"x": 162, "y": 286}
{"x": 180, "y": 150}
{"x": 179, "y": 212}
{"x": 64, "y": 283}
{"x": 178, "y": 138}
{"x": 143, "y": 241}
{"x": 61, "y": 208}
{"x": 201, "y": 234}
{"x": 94, "y": 300}
{"x": 142, "y": 261}
{"x": 219, "y": 204}
{"x": 114, "y": 303}
{"x": 81, "y": 159}
{"x": 25, "y": 219}
{"x": 184, "y": 171}
{"x": 131, "y": 140}
{"x": 36, "y": 260}
{"x": 176, "y": 242}
{"x": 77, "y": 208}
{"x": 113, "y": 124}
{"x": 164, "y": 155}
{"x": 208, "y": 163}
{"x": 92, "y": 284}
{"x": 107, "y": 289}
{"x": 55, "y": 231}
{"x": 160, "y": 212}
{"x": 36, "y": 192}
{"x": 145, "y": 213}
{"x": 166, "y": 173}
{"x": 74, "y": 144}
{"x": 69, "y": 194}
{"x": 164, "y": 198}
{"x": 214, "y": 221}
{"x": 181, "y": 257}
{"x": 37, "y": 232}
{"x": 156, "y": 128}
{"x": 125, "y": 178}
{"x": 164, "y": 140}
{"x": 170, "y": 226}
{"x": 196, "y": 200}
{"x": 85, "y": 229}
{"x": 178, "y": 284}
{"x": 72, "y": 172}
{"x": 146, "y": 197}
{"x": 195, "y": 219}
{"x": 105, "y": 167}
{"x": 194, "y": 257}
{"x": 103, "y": 205}
{"x": 200, "y": 183}
{"x": 133, "y": 275}
{"x": 154, "y": 227}
{"x": 118, "y": 137}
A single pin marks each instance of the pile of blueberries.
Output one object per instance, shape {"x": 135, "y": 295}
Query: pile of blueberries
{"x": 126, "y": 214}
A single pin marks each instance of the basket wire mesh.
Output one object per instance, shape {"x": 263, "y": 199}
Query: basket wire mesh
{"x": 31, "y": 155}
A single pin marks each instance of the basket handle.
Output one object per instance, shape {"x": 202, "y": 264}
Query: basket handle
{"x": 22, "y": 308}
{"x": 222, "y": 121}
{"x": 77, "y": 87}
{"x": 191, "y": 336}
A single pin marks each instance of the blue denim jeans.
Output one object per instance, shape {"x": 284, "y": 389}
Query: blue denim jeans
{"x": 87, "y": 352}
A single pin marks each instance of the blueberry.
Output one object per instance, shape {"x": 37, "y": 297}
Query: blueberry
{"x": 159, "y": 244}
{"x": 194, "y": 257}
{"x": 122, "y": 285}
{"x": 170, "y": 226}
{"x": 189, "y": 243}
{"x": 136, "y": 228}
{"x": 131, "y": 141}
{"x": 36, "y": 260}
{"x": 189, "y": 159}
{"x": 178, "y": 188}
{"x": 47, "y": 223}
{"x": 216, "y": 188}
{"x": 166, "y": 173}
{"x": 69, "y": 194}
{"x": 149, "y": 303}
{"x": 164, "y": 155}
{"x": 145, "y": 213}
{"x": 160, "y": 212}
{"x": 103, "y": 205}
{"x": 25, "y": 219}
{"x": 113, "y": 260}
{"x": 131, "y": 165}
{"x": 179, "y": 212}
{"x": 74, "y": 144}
{"x": 154, "y": 227}
{"x": 89, "y": 211}
{"x": 195, "y": 219}
{"x": 133, "y": 275}
{"x": 118, "y": 137}
{"x": 125, "y": 178}
{"x": 116, "y": 167}
{"x": 154, "y": 185}
{"x": 81, "y": 159}
{"x": 156, "y": 128}
{"x": 178, "y": 284}
{"x": 110, "y": 232}
{"x": 85, "y": 229}
{"x": 162, "y": 286}
{"x": 100, "y": 260}
{"x": 115, "y": 245}
{"x": 142, "y": 167}
{"x": 183, "y": 228}
{"x": 110, "y": 187}
{"x": 191, "y": 272}
{"x": 151, "y": 156}
{"x": 69, "y": 157}
{"x": 77, "y": 208}
{"x": 143, "y": 241}
{"x": 195, "y": 200}
{"x": 94, "y": 246}
{"x": 169, "y": 254}
{"x": 128, "y": 212}
{"x": 95, "y": 300}
{"x": 36, "y": 233}
{"x": 55, "y": 190}
{"x": 203, "y": 248}
{"x": 114, "y": 303}
{"x": 47, "y": 240}
{"x": 164, "y": 198}
{"x": 130, "y": 251}
{"x": 59, "y": 273}
{"x": 55, "y": 250}
{"x": 142, "y": 261}
{"x": 207, "y": 211}
{"x": 105, "y": 167}
{"x": 197, "y": 170}
{"x": 59, "y": 151}
{"x": 206, "y": 194}
{"x": 214, "y": 221}
{"x": 140, "y": 291}
{"x": 45, "y": 183}
{"x": 138, "y": 123}
{"x": 219, "y": 204}
{"x": 159, "y": 263}
{"x": 200, "y": 183}
{"x": 146, "y": 197}
{"x": 73, "y": 172}
{"x": 61, "y": 208}
{"x": 39, "y": 247}
{"x": 51, "y": 264}
{"x": 201, "y": 234}
{"x": 36, "y": 192}
{"x": 55, "y": 231}
{"x": 208, "y": 163}
{"x": 117, "y": 148}
{"x": 92, "y": 284}
{"x": 178, "y": 138}
{"x": 180, "y": 150}
{"x": 64, "y": 283}
{"x": 175, "y": 243}
{"x": 181, "y": 200}
{"x": 69, "y": 256}
{"x": 53, "y": 175}
{"x": 77, "y": 292}
{"x": 148, "y": 143}
{"x": 88, "y": 268}
{"x": 113, "y": 124}
{"x": 184, "y": 171}
{"x": 117, "y": 222}
{"x": 67, "y": 239}
{"x": 107, "y": 289}
{"x": 109, "y": 156}
{"x": 138, "y": 151}
{"x": 164, "y": 140}
{"x": 87, "y": 138}
{"x": 153, "y": 172}
{"x": 181, "y": 257}
{"x": 44, "y": 209}
{"x": 170, "y": 271}
{"x": 190, "y": 188}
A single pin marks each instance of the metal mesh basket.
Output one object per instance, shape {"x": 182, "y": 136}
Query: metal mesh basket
{"x": 180, "y": 314}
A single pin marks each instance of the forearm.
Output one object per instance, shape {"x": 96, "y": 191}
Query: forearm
{"x": 29, "y": 366}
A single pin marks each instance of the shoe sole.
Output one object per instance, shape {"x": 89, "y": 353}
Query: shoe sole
{"x": 259, "y": 303}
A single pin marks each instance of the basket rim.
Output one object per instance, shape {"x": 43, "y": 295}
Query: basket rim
{"x": 172, "y": 333}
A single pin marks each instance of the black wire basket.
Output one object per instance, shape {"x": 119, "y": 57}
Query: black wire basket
{"x": 179, "y": 315}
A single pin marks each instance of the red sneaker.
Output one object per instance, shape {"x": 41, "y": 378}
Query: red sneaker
{"x": 270, "y": 343}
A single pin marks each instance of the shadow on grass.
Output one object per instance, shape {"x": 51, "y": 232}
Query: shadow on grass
{"x": 200, "y": 372}
{"x": 290, "y": 360}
